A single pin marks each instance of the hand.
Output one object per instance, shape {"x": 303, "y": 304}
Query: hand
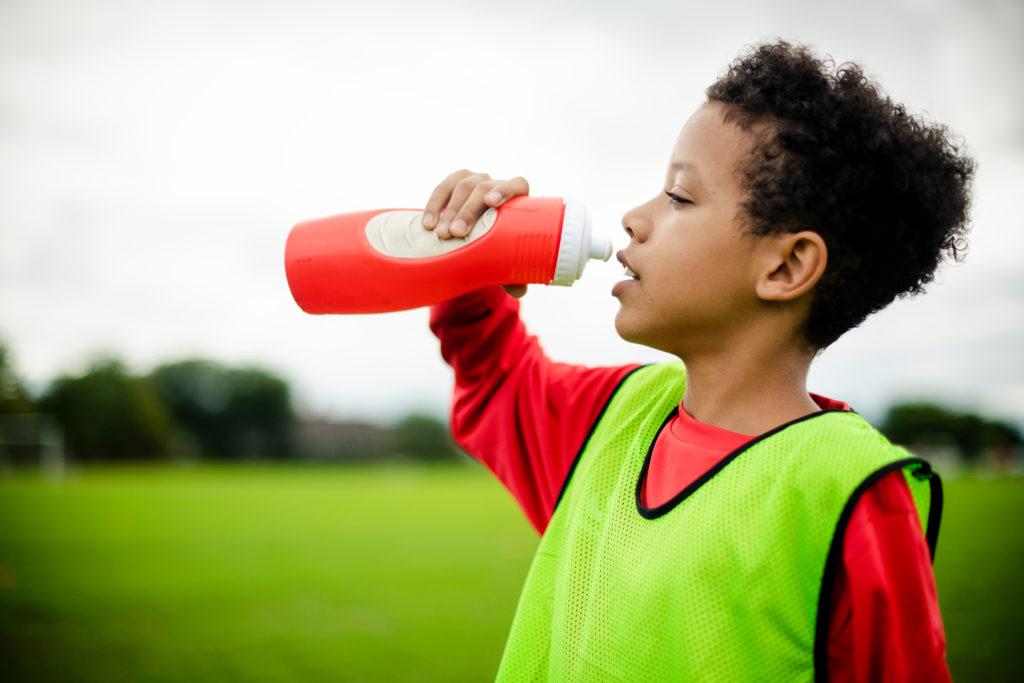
{"x": 461, "y": 198}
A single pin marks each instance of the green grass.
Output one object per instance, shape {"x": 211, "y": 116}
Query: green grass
{"x": 978, "y": 572}
{"x": 349, "y": 574}
{"x": 259, "y": 574}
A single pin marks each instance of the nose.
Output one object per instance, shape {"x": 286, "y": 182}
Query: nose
{"x": 634, "y": 223}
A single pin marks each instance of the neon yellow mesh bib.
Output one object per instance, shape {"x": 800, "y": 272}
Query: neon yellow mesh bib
{"x": 724, "y": 582}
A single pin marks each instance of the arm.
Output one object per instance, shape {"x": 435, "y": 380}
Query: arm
{"x": 885, "y": 623}
{"x": 521, "y": 414}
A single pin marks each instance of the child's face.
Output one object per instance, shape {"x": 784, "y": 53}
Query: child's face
{"x": 696, "y": 267}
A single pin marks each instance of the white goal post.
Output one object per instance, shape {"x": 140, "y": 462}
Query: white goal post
{"x": 30, "y": 438}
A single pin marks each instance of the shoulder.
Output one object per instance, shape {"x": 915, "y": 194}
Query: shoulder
{"x": 842, "y": 434}
{"x": 836, "y": 456}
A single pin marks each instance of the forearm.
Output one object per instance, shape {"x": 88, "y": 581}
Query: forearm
{"x": 515, "y": 410}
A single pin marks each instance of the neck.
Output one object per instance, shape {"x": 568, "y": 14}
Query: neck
{"x": 748, "y": 386}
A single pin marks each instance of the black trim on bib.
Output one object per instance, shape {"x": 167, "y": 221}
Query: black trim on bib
{"x": 590, "y": 433}
{"x": 655, "y": 512}
{"x": 931, "y": 534}
{"x": 835, "y": 551}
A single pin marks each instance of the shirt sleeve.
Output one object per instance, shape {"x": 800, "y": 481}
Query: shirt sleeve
{"x": 885, "y": 622}
{"x": 522, "y": 415}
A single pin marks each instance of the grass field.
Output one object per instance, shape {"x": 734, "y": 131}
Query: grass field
{"x": 349, "y": 574}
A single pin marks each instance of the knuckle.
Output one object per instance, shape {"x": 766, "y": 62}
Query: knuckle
{"x": 470, "y": 182}
{"x": 452, "y": 180}
{"x": 483, "y": 188}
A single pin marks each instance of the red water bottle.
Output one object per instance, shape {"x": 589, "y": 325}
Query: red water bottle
{"x": 384, "y": 260}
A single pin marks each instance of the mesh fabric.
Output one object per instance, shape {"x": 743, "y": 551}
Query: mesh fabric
{"x": 722, "y": 586}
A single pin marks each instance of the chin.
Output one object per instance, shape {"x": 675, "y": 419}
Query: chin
{"x": 634, "y": 332}
{"x": 621, "y": 326}
{"x": 629, "y": 330}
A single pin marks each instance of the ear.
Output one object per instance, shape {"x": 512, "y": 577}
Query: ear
{"x": 796, "y": 261}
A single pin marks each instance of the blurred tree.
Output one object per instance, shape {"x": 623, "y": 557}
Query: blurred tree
{"x": 109, "y": 414}
{"x": 195, "y": 394}
{"x": 925, "y": 423}
{"x": 259, "y": 413}
{"x": 13, "y": 396}
{"x": 424, "y": 438}
{"x": 230, "y": 412}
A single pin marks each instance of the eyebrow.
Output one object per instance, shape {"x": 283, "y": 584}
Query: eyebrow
{"x": 688, "y": 168}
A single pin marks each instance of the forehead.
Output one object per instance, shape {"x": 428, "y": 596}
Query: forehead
{"x": 710, "y": 149}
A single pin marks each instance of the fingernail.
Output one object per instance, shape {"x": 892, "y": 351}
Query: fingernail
{"x": 428, "y": 220}
{"x": 442, "y": 227}
{"x": 459, "y": 227}
{"x": 493, "y": 196}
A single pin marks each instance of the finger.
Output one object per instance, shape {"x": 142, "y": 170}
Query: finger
{"x": 462, "y": 188}
{"x": 440, "y": 196}
{"x": 472, "y": 209}
{"x": 487, "y": 193}
{"x": 506, "y": 190}
{"x": 516, "y": 291}
{"x": 465, "y": 205}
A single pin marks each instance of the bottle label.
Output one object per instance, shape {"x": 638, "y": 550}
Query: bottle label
{"x": 401, "y": 234}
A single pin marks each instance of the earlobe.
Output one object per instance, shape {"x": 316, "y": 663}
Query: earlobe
{"x": 797, "y": 262}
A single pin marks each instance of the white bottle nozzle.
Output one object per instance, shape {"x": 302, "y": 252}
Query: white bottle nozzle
{"x": 601, "y": 248}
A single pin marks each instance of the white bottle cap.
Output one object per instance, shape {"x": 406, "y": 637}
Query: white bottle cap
{"x": 577, "y": 246}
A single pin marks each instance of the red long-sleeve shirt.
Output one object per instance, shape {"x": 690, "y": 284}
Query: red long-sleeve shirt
{"x": 526, "y": 417}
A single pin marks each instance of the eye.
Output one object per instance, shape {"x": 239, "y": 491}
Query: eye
{"x": 676, "y": 199}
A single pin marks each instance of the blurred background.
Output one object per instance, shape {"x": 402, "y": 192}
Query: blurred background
{"x": 170, "y": 421}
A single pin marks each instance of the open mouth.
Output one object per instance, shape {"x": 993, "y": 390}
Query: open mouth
{"x": 621, "y": 256}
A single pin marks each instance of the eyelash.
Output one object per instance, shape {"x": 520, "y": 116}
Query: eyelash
{"x": 676, "y": 199}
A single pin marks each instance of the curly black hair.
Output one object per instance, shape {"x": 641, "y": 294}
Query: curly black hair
{"x": 889, "y": 193}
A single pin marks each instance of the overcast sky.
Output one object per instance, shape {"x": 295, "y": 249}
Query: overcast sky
{"x": 155, "y": 156}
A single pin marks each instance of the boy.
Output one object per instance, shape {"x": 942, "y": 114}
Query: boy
{"x": 710, "y": 519}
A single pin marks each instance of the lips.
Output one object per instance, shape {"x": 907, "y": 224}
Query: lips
{"x": 630, "y": 273}
{"x": 623, "y": 285}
